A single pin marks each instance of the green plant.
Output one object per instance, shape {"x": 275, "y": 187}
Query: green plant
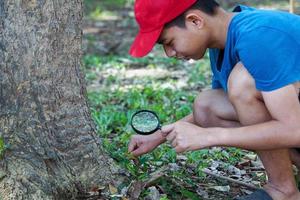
{"x": 3, "y": 147}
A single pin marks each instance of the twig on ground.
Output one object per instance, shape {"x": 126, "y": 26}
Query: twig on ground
{"x": 208, "y": 172}
{"x": 156, "y": 175}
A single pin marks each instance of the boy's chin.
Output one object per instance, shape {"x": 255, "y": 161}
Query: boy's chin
{"x": 197, "y": 58}
{"x": 200, "y": 56}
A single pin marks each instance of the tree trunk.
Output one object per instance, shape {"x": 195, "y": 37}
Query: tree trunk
{"x": 52, "y": 151}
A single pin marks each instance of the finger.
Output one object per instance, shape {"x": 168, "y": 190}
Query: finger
{"x": 132, "y": 145}
{"x": 179, "y": 149}
{"x": 174, "y": 143}
{"x": 138, "y": 152}
{"x": 165, "y": 130}
{"x": 171, "y": 136}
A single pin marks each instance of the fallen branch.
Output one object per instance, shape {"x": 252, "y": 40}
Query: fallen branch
{"x": 250, "y": 186}
{"x": 156, "y": 175}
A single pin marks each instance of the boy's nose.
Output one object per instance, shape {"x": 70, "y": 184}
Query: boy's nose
{"x": 170, "y": 52}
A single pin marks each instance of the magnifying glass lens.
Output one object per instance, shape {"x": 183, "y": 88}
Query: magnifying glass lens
{"x": 145, "y": 122}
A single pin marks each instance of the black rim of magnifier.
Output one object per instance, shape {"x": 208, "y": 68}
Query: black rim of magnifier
{"x": 145, "y": 133}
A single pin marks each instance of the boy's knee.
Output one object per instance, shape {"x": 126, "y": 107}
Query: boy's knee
{"x": 201, "y": 109}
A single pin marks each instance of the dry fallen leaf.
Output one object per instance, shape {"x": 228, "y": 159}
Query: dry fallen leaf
{"x": 135, "y": 189}
{"x": 112, "y": 189}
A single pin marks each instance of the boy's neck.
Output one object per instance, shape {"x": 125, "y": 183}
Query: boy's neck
{"x": 219, "y": 28}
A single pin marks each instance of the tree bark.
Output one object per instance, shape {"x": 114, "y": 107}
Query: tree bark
{"x": 52, "y": 148}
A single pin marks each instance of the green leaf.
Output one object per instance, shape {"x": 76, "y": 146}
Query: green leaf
{"x": 189, "y": 194}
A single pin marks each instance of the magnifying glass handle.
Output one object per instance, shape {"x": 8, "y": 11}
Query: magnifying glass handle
{"x": 159, "y": 127}
{"x": 164, "y": 134}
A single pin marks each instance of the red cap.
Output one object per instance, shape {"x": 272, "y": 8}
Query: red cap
{"x": 152, "y": 15}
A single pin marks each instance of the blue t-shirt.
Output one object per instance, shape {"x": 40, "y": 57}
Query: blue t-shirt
{"x": 268, "y": 45}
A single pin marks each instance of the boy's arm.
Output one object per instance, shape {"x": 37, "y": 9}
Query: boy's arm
{"x": 281, "y": 132}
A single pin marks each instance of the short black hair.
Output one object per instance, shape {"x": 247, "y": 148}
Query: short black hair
{"x": 207, "y": 6}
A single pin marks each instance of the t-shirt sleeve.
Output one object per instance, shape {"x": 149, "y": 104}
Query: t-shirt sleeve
{"x": 271, "y": 56}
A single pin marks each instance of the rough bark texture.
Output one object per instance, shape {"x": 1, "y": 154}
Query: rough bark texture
{"x": 53, "y": 151}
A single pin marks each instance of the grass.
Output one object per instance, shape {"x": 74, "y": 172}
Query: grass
{"x": 90, "y": 5}
{"x": 104, "y": 9}
{"x": 3, "y": 147}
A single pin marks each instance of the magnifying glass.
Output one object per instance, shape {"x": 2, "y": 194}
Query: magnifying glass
{"x": 145, "y": 122}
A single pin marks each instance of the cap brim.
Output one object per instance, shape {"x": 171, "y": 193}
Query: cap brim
{"x": 144, "y": 43}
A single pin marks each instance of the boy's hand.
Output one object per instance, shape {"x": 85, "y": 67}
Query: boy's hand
{"x": 141, "y": 144}
{"x": 185, "y": 136}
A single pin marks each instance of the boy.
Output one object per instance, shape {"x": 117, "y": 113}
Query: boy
{"x": 253, "y": 103}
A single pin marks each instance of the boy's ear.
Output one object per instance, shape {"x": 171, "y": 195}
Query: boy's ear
{"x": 194, "y": 19}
